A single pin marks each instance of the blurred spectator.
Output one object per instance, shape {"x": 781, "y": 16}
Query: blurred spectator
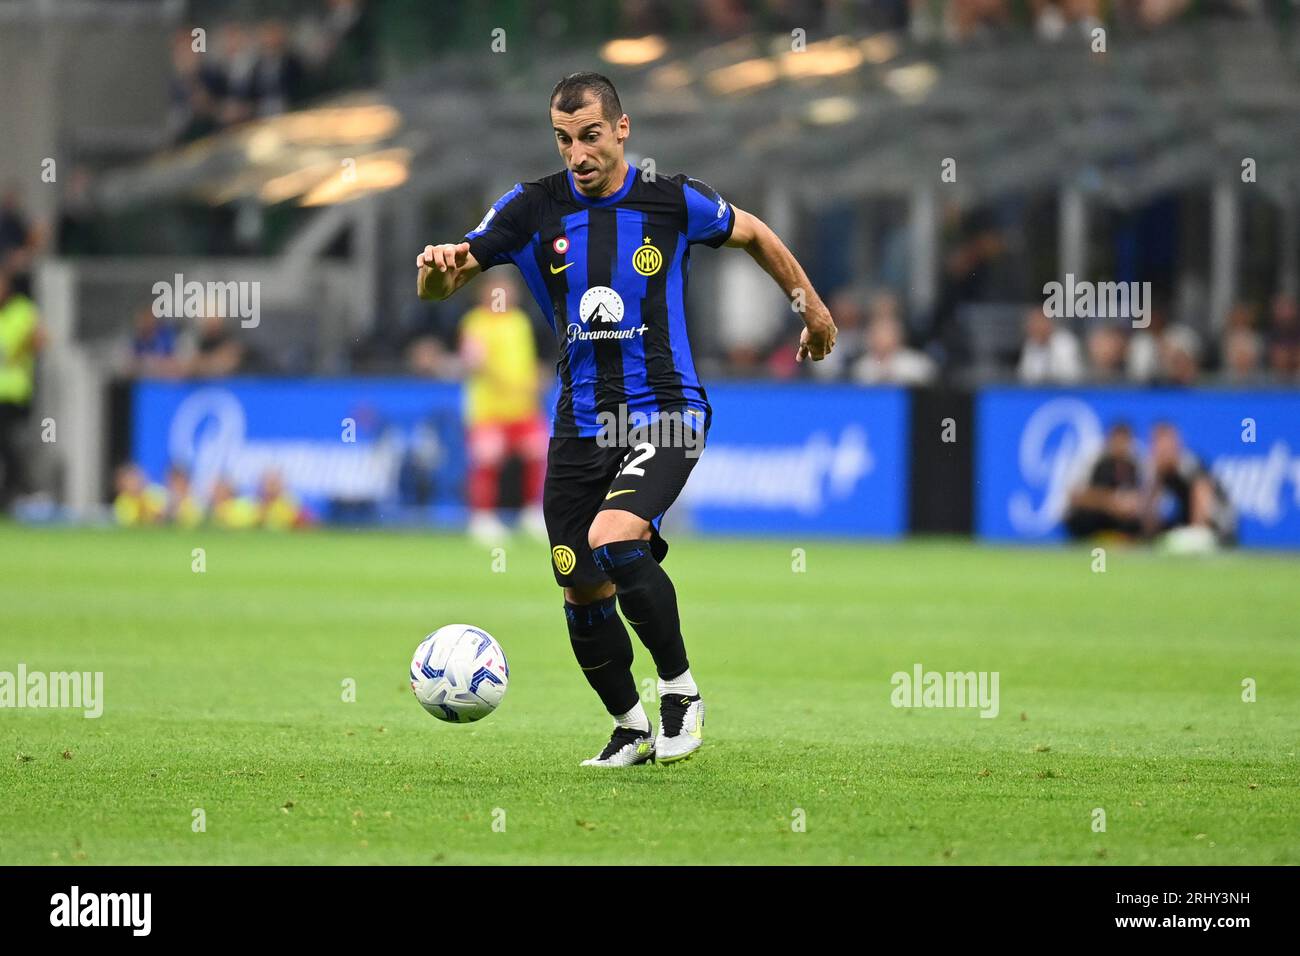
{"x": 278, "y": 508}
{"x": 251, "y": 70}
{"x": 155, "y": 347}
{"x": 183, "y": 509}
{"x": 219, "y": 351}
{"x": 641, "y": 17}
{"x": 888, "y": 360}
{"x": 77, "y": 230}
{"x": 1109, "y": 501}
{"x": 1050, "y": 355}
{"x": 1144, "y": 346}
{"x": 725, "y": 18}
{"x": 782, "y": 365}
{"x": 1242, "y": 351}
{"x": 1181, "y": 494}
{"x": 20, "y": 340}
{"x": 19, "y": 242}
{"x": 1284, "y": 338}
{"x": 430, "y": 331}
{"x": 262, "y": 69}
{"x": 503, "y": 417}
{"x": 1151, "y": 13}
{"x": 238, "y": 47}
{"x": 977, "y": 21}
{"x": 1180, "y": 356}
{"x": 427, "y": 356}
{"x": 978, "y": 268}
{"x": 279, "y": 74}
{"x": 232, "y": 510}
{"x": 197, "y": 90}
{"x": 138, "y": 502}
{"x": 1107, "y": 347}
{"x": 1054, "y": 19}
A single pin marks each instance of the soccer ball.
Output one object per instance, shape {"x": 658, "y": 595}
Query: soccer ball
{"x": 459, "y": 673}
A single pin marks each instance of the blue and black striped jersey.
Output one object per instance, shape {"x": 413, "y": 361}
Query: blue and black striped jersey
{"x": 610, "y": 275}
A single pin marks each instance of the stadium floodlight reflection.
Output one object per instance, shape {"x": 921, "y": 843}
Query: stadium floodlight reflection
{"x": 637, "y": 51}
{"x": 832, "y": 110}
{"x": 376, "y": 172}
{"x": 833, "y": 57}
{"x": 747, "y": 76}
{"x": 879, "y": 48}
{"x": 912, "y": 83}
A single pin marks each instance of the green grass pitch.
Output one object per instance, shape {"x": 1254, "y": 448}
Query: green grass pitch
{"x": 223, "y": 692}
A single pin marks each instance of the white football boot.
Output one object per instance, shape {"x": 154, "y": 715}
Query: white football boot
{"x": 534, "y": 523}
{"x": 681, "y": 727}
{"x": 486, "y": 529}
{"x": 626, "y": 748}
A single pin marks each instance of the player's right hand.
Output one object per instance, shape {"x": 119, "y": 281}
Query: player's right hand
{"x": 818, "y": 337}
{"x": 448, "y": 255}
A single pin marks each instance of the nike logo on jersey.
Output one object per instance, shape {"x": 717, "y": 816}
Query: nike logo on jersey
{"x": 615, "y": 494}
{"x": 556, "y": 272}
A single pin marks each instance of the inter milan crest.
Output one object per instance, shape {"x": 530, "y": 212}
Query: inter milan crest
{"x": 647, "y": 260}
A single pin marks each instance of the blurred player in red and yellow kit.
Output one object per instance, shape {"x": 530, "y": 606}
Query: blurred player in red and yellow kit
{"x": 183, "y": 506}
{"x": 279, "y": 507}
{"x": 502, "y": 409}
{"x": 138, "y": 502}
{"x": 232, "y": 510}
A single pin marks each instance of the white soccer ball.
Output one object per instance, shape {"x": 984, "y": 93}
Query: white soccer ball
{"x": 459, "y": 673}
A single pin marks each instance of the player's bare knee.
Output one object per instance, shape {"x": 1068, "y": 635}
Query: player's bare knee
{"x": 612, "y": 526}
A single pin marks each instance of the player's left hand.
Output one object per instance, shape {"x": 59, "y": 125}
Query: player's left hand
{"x": 817, "y": 339}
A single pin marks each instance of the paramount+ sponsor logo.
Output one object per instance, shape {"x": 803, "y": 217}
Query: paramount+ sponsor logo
{"x": 601, "y": 310}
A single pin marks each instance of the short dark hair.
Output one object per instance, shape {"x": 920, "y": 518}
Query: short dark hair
{"x": 570, "y": 94}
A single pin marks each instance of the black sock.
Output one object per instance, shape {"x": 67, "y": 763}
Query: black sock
{"x": 604, "y": 651}
{"x": 649, "y": 601}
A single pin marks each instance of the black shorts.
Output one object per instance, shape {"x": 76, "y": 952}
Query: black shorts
{"x": 584, "y": 477}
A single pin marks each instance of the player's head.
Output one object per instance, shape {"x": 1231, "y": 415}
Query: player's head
{"x": 590, "y": 129}
{"x": 272, "y": 485}
{"x": 1038, "y": 325}
{"x": 1119, "y": 440}
{"x": 1166, "y": 445}
{"x": 178, "y": 479}
{"x": 222, "y": 491}
{"x": 129, "y": 479}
